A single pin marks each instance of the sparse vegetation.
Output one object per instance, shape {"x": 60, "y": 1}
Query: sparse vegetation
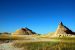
{"x": 45, "y": 45}
{"x": 63, "y": 43}
{"x": 34, "y": 45}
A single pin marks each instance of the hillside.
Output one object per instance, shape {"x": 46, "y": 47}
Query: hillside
{"x": 24, "y": 31}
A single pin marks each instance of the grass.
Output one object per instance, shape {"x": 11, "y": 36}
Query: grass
{"x": 34, "y": 45}
{"x": 16, "y": 37}
{"x": 64, "y": 46}
{"x": 61, "y": 45}
{"x": 64, "y": 43}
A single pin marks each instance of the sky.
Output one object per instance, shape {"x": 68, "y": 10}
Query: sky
{"x": 41, "y": 16}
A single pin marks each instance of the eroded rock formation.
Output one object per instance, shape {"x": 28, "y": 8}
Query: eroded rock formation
{"x": 24, "y": 31}
{"x": 63, "y": 31}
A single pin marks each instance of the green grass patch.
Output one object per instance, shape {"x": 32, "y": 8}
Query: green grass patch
{"x": 34, "y": 45}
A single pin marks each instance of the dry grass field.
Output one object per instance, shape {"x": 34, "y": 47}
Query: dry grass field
{"x": 33, "y": 42}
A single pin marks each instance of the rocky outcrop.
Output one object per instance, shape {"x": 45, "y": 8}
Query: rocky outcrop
{"x": 63, "y": 31}
{"x": 24, "y": 31}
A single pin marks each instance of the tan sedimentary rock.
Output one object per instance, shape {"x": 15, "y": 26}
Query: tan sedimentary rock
{"x": 24, "y": 31}
{"x": 63, "y": 31}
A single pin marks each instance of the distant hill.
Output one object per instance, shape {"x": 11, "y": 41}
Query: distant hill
{"x": 24, "y": 31}
{"x": 5, "y": 33}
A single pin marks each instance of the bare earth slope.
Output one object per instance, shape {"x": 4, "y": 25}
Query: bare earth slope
{"x": 8, "y": 46}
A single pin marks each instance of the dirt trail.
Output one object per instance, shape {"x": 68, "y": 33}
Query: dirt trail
{"x": 8, "y": 46}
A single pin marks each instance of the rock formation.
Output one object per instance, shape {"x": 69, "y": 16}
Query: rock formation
{"x": 24, "y": 31}
{"x": 63, "y": 31}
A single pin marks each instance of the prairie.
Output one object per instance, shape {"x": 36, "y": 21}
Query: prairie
{"x": 33, "y": 42}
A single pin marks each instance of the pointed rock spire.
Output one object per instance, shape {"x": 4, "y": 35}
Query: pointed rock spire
{"x": 62, "y": 30}
{"x": 61, "y": 23}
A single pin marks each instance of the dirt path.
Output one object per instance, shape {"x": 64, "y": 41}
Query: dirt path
{"x": 8, "y": 46}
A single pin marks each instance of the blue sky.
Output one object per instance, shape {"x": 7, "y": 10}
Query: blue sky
{"x": 41, "y": 16}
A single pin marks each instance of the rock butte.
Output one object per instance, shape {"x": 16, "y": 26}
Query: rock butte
{"x": 63, "y": 31}
{"x": 24, "y": 31}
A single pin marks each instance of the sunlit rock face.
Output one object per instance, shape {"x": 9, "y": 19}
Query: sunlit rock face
{"x": 24, "y": 31}
{"x": 63, "y": 31}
